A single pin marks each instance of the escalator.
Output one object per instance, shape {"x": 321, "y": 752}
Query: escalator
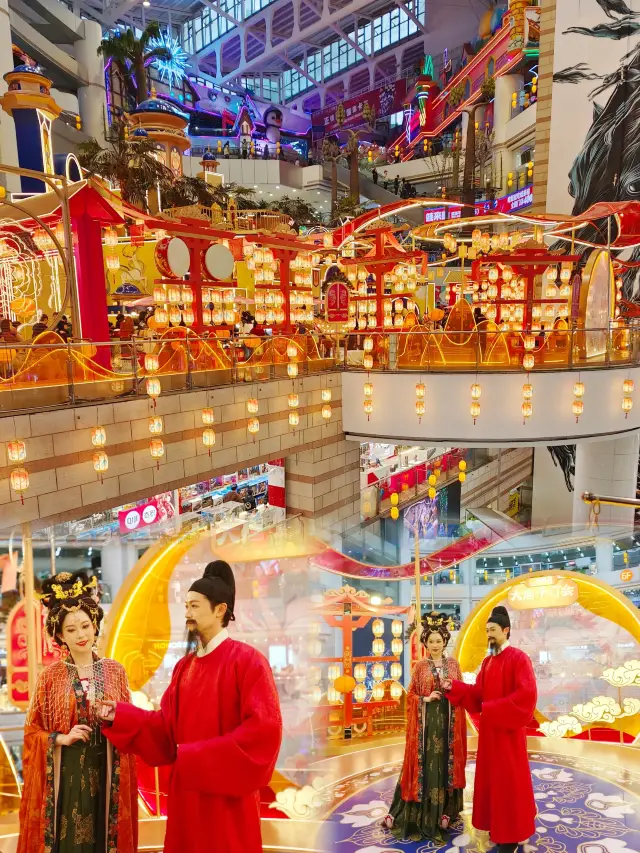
{"x": 374, "y": 192}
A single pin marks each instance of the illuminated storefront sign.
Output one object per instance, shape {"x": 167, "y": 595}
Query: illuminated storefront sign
{"x": 542, "y": 592}
{"x": 139, "y": 516}
{"x": 507, "y": 204}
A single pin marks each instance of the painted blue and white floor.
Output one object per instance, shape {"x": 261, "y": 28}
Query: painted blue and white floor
{"x": 584, "y": 806}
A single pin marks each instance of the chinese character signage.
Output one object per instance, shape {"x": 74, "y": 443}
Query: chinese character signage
{"x": 385, "y": 101}
{"x": 337, "y": 302}
{"x": 507, "y": 204}
{"x": 539, "y": 593}
{"x": 159, "y": 509}
{"x": 17, "y": 663}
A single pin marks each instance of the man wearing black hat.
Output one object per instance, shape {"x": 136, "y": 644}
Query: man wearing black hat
{"x": 504, "y": 696}
{"x": 219, "y": 726}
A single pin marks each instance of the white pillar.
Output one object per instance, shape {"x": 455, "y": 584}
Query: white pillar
{"x": 606, "y": 468}
{"x": 505, "y": 87}
{"x": 92, "y": 97}
{"x": 604, "y": 556}
{"x": 8, "y": 143}
{"x": 117, "y": 560}
{"x": 552, "y": 502}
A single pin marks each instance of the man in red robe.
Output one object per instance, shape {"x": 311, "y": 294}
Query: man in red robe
{"x": 219, "y": 726}
{"x": 504, "y": 696}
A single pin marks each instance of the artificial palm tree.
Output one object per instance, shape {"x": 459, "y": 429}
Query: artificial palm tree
{"x": 300, "y": 212}
{"x": 131, "y": 55}
{"x": 129, "y": 162}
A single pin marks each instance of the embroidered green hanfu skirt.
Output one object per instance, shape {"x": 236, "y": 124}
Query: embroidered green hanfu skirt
{"x": 419, "y": 820}
{"x": 82, "y": 800}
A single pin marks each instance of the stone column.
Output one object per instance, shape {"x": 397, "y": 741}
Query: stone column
{"x": 606, "y": 468}
{"x": 92, "y": 97}
{"x": 323, "y": 484}
{"x": 8, "y": 143}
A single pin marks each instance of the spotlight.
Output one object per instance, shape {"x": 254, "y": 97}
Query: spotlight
{"x": 146, "y": 3}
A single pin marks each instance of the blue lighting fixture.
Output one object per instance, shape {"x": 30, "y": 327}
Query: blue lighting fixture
{"x": 174, "y": 69}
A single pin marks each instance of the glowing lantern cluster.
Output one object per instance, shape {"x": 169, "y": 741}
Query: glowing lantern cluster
{"x": 627, "y": 400}
{"x": 326, "y": 408}
{"x": 578, "y": 404}
{"x": 474, "y": 409}
{"x": 462, "y": 469}
{"x": 420, "y": 406}
{"x": 19, "y": 477}
{"x": 100, "y": 458}
{"x": 368, "y": 399}
{"x": 110, "y": 237}
{"x": 294, "y": 416}
{"x": 527, "y": 406}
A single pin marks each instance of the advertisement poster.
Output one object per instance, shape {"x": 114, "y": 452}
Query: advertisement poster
{"x": 152, "y": 512}
{"x": 385, "y": 101}
{"x": 17, "y": 664}
{"x": 337, "y": 301}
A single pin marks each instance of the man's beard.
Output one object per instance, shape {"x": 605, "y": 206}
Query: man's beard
{"x": 493, "y": 647}
{"x": 192, "y": 641}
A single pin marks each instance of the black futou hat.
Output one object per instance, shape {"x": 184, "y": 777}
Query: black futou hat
{"x": 217, "y": 584}
{"x": 500, "y": 616}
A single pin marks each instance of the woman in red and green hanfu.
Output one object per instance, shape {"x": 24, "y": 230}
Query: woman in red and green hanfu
{"x": 429, "y": 793}
{"x": 80, "y": 794}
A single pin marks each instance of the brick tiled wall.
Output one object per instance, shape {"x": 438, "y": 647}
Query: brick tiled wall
{"x": 543, "y": 118}
{"x": 64, "y": 485}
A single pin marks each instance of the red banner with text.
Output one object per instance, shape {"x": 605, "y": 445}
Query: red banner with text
{"x": 386, "y": 101}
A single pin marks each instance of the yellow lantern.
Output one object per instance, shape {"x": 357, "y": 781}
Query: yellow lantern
{"x": 577, "y": 408}
{"x": 474, "y": 410}
{"x": 207, "y": 417}
{"x": 292, "y": 370}
{"x": 208, "y": 438}
{"x": 253, "y": 426}
{"x": 344, "y": 684}
{"x": 432, "y": 479}
{"x": 377, "y": 627}
{"x": 100, "y": 462}
{"x": 292, "y": 350}
{"x": 326, "y": 412}
{"x": 360, "y": 693}
{"x": 17, "y": 451}
{"x": 151, "y": 362}
{"x": 188, "y": 316}
{"x": 367, "y": 361}
{"x": 431, "y": 492}
{"x": 153, "y": 387}
{"x": 462, "y": 465}
{"x": 19, "y": 480}
{"x": 159, "y": 294}
{"x": 252, "y": 405}
{"x": 368, "y": 344}
{"x": 368, "y": 389}
{"x": 394, "y": 499}
{"x": 528, "y": 362}
{"x": 360, "y": 672}
{"x": 175, "y": 316}
{"x": 333, "y": 697}
{"x": 462, "y": 476}
{"x": 578, "y": 389}
{"x": 294, "y": 419}
{"x": 627, "y": 405}
{"x": 527, "y": 391}
{"x": 378, "y": 693}
{"x": 333, "y": 672}
{"x": 396, "y": 646}
{"x": 395, "y": 689}
{"x": 529, "y": 342}
{"x": 156, "y": 448}
{"x": 316, "y": 695}
{"x": 476, "y": 391}
{"x": 173, "y": 294}
{"x": 326, "y": 395}
{"x": 293, "y": 401}
{"x": 395, "y": 670}
{"x": 628, "y": 386}
{"x": 187, "y": 296}
{"x": 161, "y": 318}
{"x": 420, "y": 390}
{"x": 420, "y": 408}
{"x": 395, "y": 514}
{"x": 527, "y": 409}
{"x": 397, "y": 627}
{"x": 377, "y": 671}
{"x": 378, "y": 647}
{"x": 156, "y": 426}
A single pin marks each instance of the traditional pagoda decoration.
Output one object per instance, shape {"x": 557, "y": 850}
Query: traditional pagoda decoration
{"x": 209, "y": 165}
{"x": 165, "y": 125}
{"x": 28, "y": 99}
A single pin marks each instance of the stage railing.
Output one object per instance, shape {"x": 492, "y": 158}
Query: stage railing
{"x": 54, "y": 373}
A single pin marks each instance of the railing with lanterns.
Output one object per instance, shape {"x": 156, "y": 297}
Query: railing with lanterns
{"x": 524, "y": 98}
{"x": 518, "y": 179}
{"x": 233, "y": 218}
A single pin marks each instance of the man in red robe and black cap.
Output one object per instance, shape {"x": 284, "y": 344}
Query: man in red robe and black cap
{"x": 504, "y": 696}
{"x": 219, "y": 726}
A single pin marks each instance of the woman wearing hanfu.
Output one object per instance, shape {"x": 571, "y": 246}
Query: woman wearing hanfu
{"x": 80, "y": 794}
{"x": 429, "y": 794}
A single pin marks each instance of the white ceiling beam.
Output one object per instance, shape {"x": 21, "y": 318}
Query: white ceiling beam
{"x": 325, "y": 22}
{"x": 220, "y": 11}
{"x": 301, "y": 70}
{"x": 410, "y": 14}
{"x": 113, "y": 13}
{"x": 349, "y": 40}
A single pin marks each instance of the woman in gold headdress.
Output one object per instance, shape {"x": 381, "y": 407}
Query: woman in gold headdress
{"x": 429, "y": 793}
{"x": 80, "y": 794}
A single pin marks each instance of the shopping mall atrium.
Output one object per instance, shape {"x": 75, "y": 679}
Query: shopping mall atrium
{"x": 347, "y": 295}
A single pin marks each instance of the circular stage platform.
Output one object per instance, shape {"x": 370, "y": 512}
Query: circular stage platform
{"x": 588, "y": 798}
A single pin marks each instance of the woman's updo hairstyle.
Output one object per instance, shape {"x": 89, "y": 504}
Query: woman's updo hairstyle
{"x": 435, "y": 623}
{"x": 67, "y": 593}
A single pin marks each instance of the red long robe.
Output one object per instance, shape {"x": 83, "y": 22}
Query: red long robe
{"x": 505, "y": 696}
{"x": 220, "y": 727}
